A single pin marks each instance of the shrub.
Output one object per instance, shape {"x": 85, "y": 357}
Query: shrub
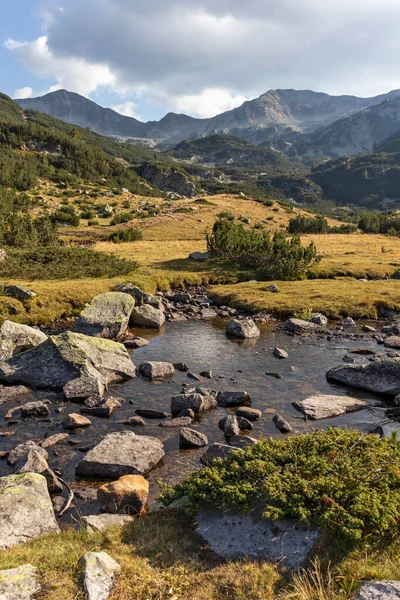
{"x": 125, "y": 235}
{"x": 346, "y": 482}
{"x": 121, "y": 218}
{"x": 87, "y": 214}
{"x": 225, "y": 214}
{"x": 304, "y": 224}
{"x": 271, "y": 256}
{"x": 66, "y": 215}
{"x": 93, "y": 222}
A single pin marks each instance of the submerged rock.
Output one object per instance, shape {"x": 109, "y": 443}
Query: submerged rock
{"x": 26, "y": 511}
{"x": 379, "y": 377}
{"x": 19, "y": 584}
{"x": 242, "y": 329}
{"x": 15, "y": 338}
{"x": 121, "y": 453}
{"x": 106, "y": 316}
{"x": 68, "y": 356}
{"x": 99, "y": 573}
{"x": 325, "y": 406}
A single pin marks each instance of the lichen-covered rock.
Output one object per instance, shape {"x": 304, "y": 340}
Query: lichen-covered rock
{"x": 99, "y": 573}
{"x": 156, "y": 370}
{"x": 121, "y": 453}
{"x": 147, "y": 316}
{"x": 242, "y": 329}
{"x": 19, "y": 584}
{"x": 26, "y": 511}
{"x": 319, "y": 319}
{"x": 379, "y": 377}
{"x": 106, "y": 316}
{"x": 15, "y": 338}
{"x": 68, "y": 356}
{"x": 126, "y": 495}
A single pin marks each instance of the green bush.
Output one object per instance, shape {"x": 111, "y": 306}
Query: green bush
{"x": 125, "y": 235}
{"x": 346, "y": 482}
{"x": 121, "y": 218}
{"x": 269, "y": 256}
{"x": 66, "y": 215}
{"x": 93, "y": 222}
{"x": 304, "y": 224}
{"x": 63, "y": 263}
{"x": 87, "y": 214}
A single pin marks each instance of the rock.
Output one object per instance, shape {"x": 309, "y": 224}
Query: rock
{"x": 362, "y": 351}
{"x": 104, "y": 521}
{"x": 388, "y": 430}
{"x": 379, "y": 590}
{"x": 9, "y": 393}
{"x": 127, "y": 495}
{"x": 242, "y": 441}
{"x": 156, "y": 370}
{"x": 151, "y": 413}
{"x": 15, "y": 338}
{"x": 242, "y": 329}
{"x": 181, "y": 367}
{"x": 325, "y": 406}
{"x": 134, "y": 421}
{"x": 216, "y": 451}
{"x": 98, "y": 402}
{"x": 279, "y": 353}
{"x": 102, "y": 411}
{"x": 187, "y": 412}
{"x": 190, "y": 438}
{"x": 396, "y": 274}
{"x": 252, "y": 414}
{"x": 107, "y": 316}
{"x": 65, "y": 357}
{"x": 34, "y": 409}
{"x": 26, "y": 511}
{"x": 282, "y": 424}
{"x": 54, "y": 439}
{"x": 19, "y": 584}
{"x": 83, "y": 387}
{"x": 207, "y": 374}
{"x": 182, "y": 298}
{"x": 348, "y": 322}
{"x": 18, "y": 292}
{"x": 22, "y": 450}
{"x": 121, "y": 453}
{"x": 369, "y": 329}
{"x": 193, "y": 376}
{"x": 75, "y": 421}
{"x": 396, "y": 400}
{"x": 136, "y": 342}
{"x": 195, "y": 402}
{"x": 244, "y": 424}
{"x": 274, "y": 375}
{"x": 273, "y": 288}
{"x": 3, "y": 255}
{"x": 99, "y": 572}
{"x": 379, "y": 377}
{"x": 229, "y": 425}
{"x": 227, "y": 398}
{"x": 199, "y": 255}
{"x": 319, "y": 319}
{"x": 169, "y": 180}
{"x": 147, "y": 316}
{"x": 35, "y": 462}
{"x": 178, "y": 422}
{"x": 299, "y": 326}
{"x": 393, "y": 342}
{"x": 139, "y": 295}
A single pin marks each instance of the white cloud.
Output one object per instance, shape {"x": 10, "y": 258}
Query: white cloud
{"x": 22, "y": 93}
{"x": 208, "y": 103}
{"x": 126, "y": 108}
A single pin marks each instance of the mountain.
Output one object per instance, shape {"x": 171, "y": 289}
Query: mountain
{"x": 277, "y": 114}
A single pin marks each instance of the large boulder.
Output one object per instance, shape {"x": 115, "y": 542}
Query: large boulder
{"x": 99, "y": 573}
{"x": 379, "y": 590}
{"x": 26, "y": 511}
{"x": 15, "y": 338}
{"x": 126, "y": 495}
{"x": 106, "y": 316}
{"x": 325, "y": 406}
{"x": 242, "y": 329}
{"x": 379, "y": 377}
{"x": 19, "y": 584}
{"x": 68, "y": 356}
{"x": 121, "y": 453}
{"x": 147, "y": 316}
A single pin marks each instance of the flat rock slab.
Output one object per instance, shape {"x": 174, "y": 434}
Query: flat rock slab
{"x": 19, "y": 583}
{"x": 325, "y": 406}
{"x": 379, "y": 377}
{"x": 104, "y": 521}
{"x": 26, "y": 511}
{"x": 99, "y": 572}
{"x": 232, "y": 536}
{"x": 121, "y": 453}
{"x": 379, "y": 590}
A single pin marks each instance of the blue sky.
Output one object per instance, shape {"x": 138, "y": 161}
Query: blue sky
{"x": 199, "y": 57}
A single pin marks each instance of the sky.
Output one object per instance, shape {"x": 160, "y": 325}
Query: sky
{"x": 145, "y": 58}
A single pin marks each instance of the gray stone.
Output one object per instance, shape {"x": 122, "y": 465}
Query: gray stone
{"x": 279, "y": 353}
{"x": 121, "y": 453}
{"x": 199, "y": 255}
{"x": 18, "y": 292}
{"x": 19, "y": 584}
{"x": 178, "y": 422}
{"x": 83, "y": 387}
{"x": 75, "y": 421}
{"x": 379, "y": 590}
{"x": 34, "y": 409}
{"x": 151, "y": 413}
{"x": 139, "y": 295}
{"x": 273, "y": 288}
{"x": 282, "y": 424}
{"x": 379, "y": 377}
{"x": 26, "y": 511}
{"x": 65, "y": 357}
{"x": 216, "y": 451}
{"x": 15, "y": 338}
{"x": 35, "y": 462}
{"x": 99, "y": 574}
{"x": 300, "y": 326}
{"x": 252, "y": 414}
{"x": 182, "y": 298}
{"x": 190, "y": 438}
{"x": 229, "y": 425}
{"x": 136, "y": 342}
{"x": 244, "y": 424}
{"x": 104, "y": 521}
{"x": 319, "y": 319}
{"x": 107, "y": 316}
{"x": 156, "y": 370}
{"x": 392, "y": 342}
{"x": 348, "y": 322}
{"x": 195, "y": 402}
{"x": 134, "y": 421}
{"x": 22, "y": 450}
{"x": 324, "y": 406}
{"x": 9, "y": 393}
{"x": 242, "y": 329}
{"x": 147, "y": 316}
{"x": 227, "y": 398}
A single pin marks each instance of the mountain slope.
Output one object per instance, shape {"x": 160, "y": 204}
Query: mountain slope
{"x": 275, "y": 114}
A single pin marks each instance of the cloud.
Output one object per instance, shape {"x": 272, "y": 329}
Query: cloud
{"x": 204, "y": 56}
{"x": 127, "y": 108}
{"x": 22, "y": 93}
